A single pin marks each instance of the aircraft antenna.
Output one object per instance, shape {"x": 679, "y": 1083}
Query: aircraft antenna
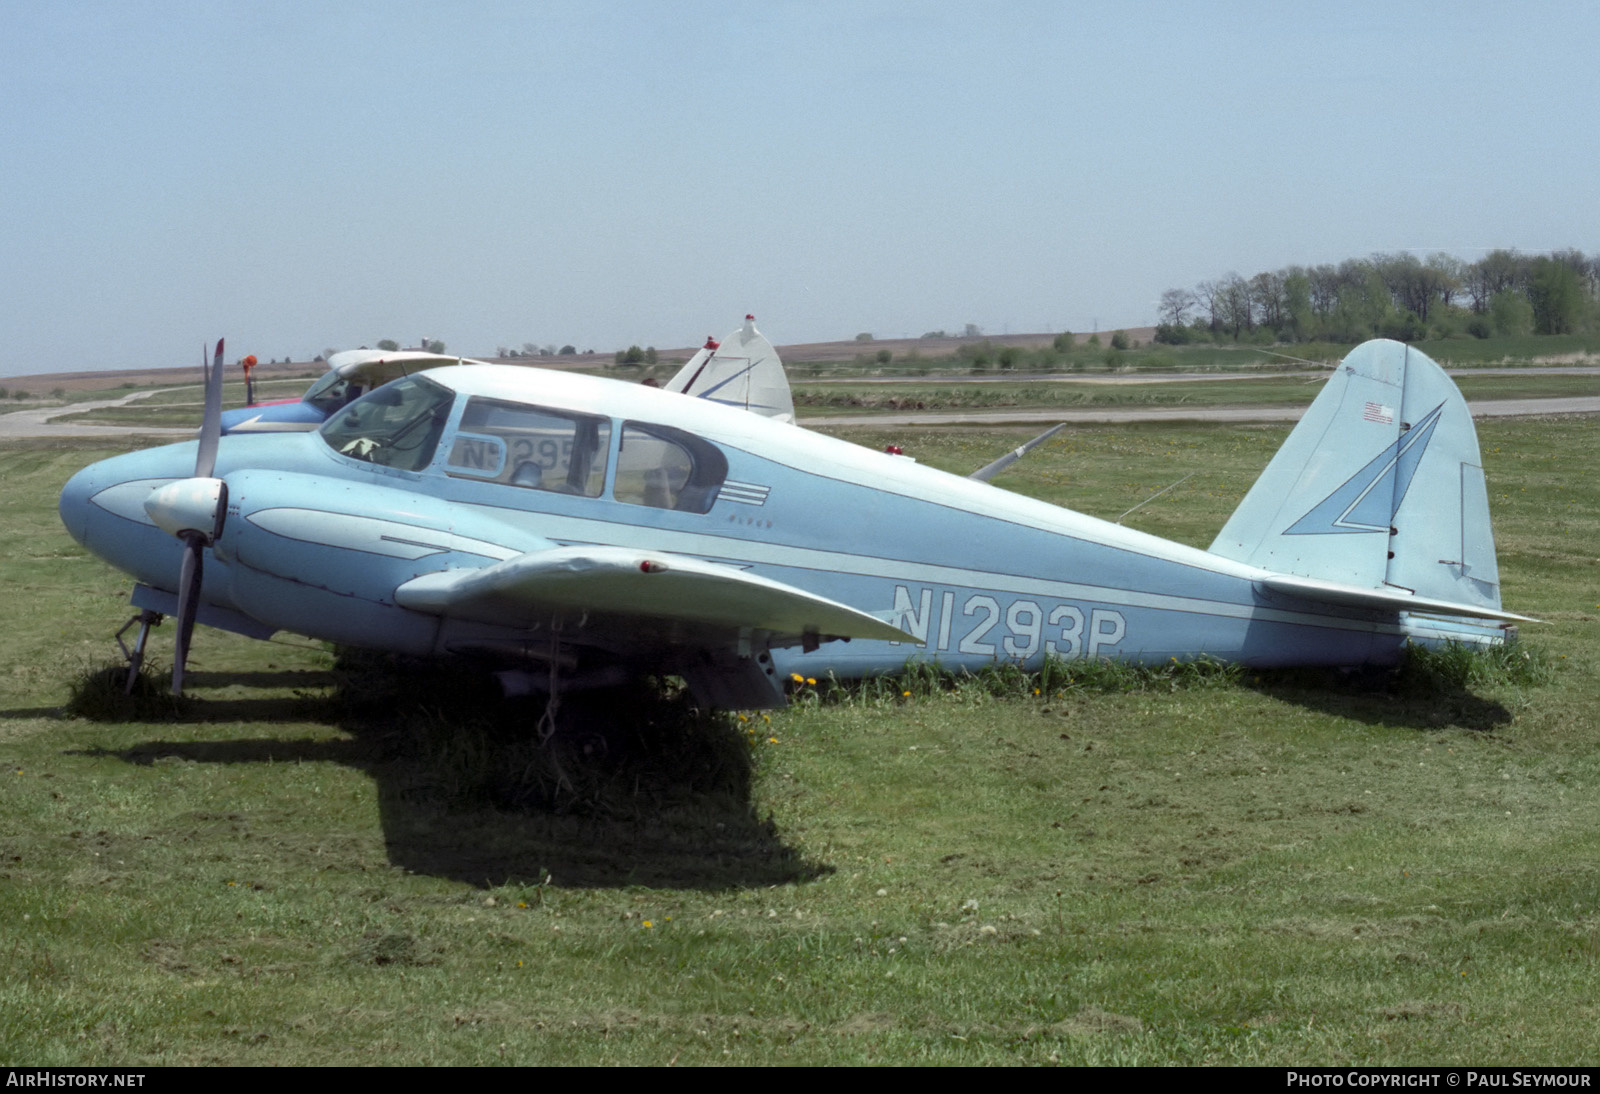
{"x": 1156, "y": 495}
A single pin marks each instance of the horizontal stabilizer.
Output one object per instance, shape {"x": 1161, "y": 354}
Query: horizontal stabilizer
{"x": 660, "y": 591}
{"x": 1350, "y": 596}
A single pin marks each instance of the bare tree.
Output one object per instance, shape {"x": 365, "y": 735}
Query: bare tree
{"x": 1266, "y": 299}
{"x": 1324, "y": 289}
{"x": 1175, "y": 305}
{"x": 1448, "y": 273}
{"x": 1237, "y": 316}
{"x": 1208, "y": 296}
{"x": 1411, "y": 285}
{"x": 1502, "y": 270}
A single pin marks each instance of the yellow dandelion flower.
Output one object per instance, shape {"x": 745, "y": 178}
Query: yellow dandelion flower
{"x": 797, "y": 678}
{"x": 812, "y": 680}
{"x": 772, "y": 740}
{"x": 647, "y": 923}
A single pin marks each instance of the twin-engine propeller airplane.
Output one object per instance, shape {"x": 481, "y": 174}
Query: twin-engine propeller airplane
{"x": 579, "y": 530}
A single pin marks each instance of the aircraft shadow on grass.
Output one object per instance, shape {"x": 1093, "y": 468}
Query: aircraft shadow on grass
{"x": 635, "y": 791}
{"x": 1382, "y": 699}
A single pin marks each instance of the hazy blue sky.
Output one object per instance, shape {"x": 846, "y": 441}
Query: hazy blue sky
{"x": 298, "y": 176}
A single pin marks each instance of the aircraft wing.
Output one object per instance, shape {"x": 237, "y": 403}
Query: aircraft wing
{"x": 662, "y": 599}
{"x": 376, "y": 367}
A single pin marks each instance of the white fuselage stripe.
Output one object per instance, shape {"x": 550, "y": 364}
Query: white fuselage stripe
{"x": 575, "y": 530}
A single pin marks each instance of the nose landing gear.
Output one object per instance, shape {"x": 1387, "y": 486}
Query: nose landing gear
{"x": 135, "y": 657}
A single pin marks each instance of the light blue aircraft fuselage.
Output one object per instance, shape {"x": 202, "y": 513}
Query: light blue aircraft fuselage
{"x": 583, "y": 528}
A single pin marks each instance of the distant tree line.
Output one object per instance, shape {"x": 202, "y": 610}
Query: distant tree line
{"x": 533, "y": 349}
{"x": 633, "y": 355}
{"x": 1392, "y": 296}
{"x": 429, "y": 345}
{"x": 972, "y": 330}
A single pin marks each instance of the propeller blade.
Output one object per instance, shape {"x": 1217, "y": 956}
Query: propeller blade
{"x": 178, "y": 507}
{"x": 211, "y": 424}
{"x": 189, "y": 577}
{"x": 984, "y": 474}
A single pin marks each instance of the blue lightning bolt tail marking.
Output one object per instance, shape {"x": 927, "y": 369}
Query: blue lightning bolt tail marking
{"x": 1369, "y": 499}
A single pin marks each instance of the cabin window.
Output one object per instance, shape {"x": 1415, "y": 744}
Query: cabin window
{"x": 666, "y": 468}
{"x": 531, "y": 447}
{"x": 397, "y": 425}
{"x": 477, "y": 455}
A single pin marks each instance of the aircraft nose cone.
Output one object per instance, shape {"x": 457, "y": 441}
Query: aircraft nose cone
{"x": 102, "y": 506}
{"x": 74, "y": 503}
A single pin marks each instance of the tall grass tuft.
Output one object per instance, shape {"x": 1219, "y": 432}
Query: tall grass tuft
{"x": 1010, "y": 680}
{"x": 1455, "y": 666}
{"x": 1449, "y": 670}
{"x": 102, "y": 695}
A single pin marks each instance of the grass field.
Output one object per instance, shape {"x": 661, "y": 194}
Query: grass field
{"x": 309, "y": 866}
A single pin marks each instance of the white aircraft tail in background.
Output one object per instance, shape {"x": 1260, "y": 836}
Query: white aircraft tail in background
{"x": 743, "y": 371}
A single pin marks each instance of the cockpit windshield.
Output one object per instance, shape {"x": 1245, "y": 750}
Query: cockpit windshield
{"x": 332, "y": 392}
{"x": 398, "y": 425}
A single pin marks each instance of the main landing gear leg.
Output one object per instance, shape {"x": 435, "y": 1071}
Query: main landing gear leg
{"x": 547, "y": 722}
{"x": 135, "y": 657}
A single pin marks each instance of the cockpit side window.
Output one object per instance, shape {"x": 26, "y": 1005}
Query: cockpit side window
{"x": 666, "y": 468}
{"x": 398, "y": 425}
{"x": 533, "y": 447}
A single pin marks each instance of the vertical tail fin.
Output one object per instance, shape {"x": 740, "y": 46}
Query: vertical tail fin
{"x": 1379, "y": 486}
{"x": 743, "y": 371}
